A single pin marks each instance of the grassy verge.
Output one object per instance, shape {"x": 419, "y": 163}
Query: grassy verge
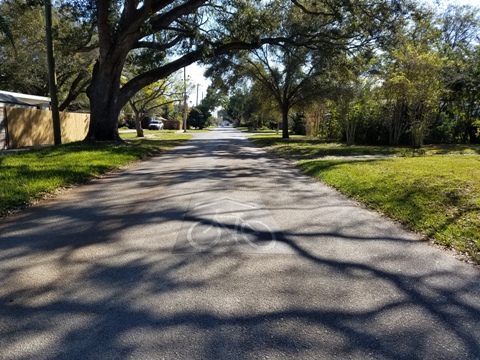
{"x": 158, "y": 134}
{"x": 301, "y": 147}
{"x": 150, "y": 134}
{"x": 435, "y": 192}
{"x": 263, "y": 130}
{"x": 27, "y": 176}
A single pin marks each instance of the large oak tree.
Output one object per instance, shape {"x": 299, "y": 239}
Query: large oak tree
{"x": 177, "y": 33}
{"x": 174, "y": 33}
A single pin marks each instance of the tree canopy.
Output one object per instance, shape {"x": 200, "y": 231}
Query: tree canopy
{"x": 417, "y": 78}
{"x": 174, "y": 34}
{"x": 24, "y": 65}
{"x": 291, "y": 50}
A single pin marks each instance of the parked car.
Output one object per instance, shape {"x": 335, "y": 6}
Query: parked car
{"x": 155, "y": 125}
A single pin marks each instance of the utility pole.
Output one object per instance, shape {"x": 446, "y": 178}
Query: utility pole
{"x": 197, "y": 95}
{"x": 184, "y": 100}
{"x": 52, "y": 79}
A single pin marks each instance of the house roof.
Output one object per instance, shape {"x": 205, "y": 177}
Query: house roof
{"x": 8, "y": 97}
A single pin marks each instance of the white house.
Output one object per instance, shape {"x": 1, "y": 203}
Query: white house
{"x": 8, "y": 98}
{"x": 23, "y": 100}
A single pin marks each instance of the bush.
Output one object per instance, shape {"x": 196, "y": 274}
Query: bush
{"x": 298, "y": 123}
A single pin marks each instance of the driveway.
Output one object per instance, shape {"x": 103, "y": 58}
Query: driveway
{"x": 216, "y": 250}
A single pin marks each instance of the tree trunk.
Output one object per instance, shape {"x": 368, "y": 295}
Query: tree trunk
{"x": 138, "y": 125}
{"x": 104, "y": 106}
{"x": 285, "y": 123}
{"x": 138, "y": 119}
{"x": 350, "y": 128}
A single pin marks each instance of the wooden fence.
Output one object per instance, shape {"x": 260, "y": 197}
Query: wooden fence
{"x": 22, "y": 127}
{"x": 32, "y": 127}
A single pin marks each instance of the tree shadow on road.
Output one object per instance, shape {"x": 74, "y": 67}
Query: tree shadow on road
{"x": 79, "y": 282}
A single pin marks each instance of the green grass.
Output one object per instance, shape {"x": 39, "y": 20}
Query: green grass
{"x": 301, "y": 147}
{"x": 159, "y": 134}
{"x": 27, "y": 176}
{"x": 434, "y": 190}
{"x": 262, "y": 130}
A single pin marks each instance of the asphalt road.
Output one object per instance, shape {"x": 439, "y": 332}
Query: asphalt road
{"x": 216, "y": 250}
